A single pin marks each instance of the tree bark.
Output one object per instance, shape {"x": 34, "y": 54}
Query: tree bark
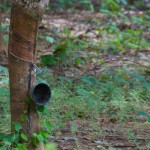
{"x": 3, "y": 44}
{"x": 22, "y": 73}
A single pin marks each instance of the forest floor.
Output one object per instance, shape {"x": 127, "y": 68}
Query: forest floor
{"x": 111, "y": 134}
{"x": 102, "y": 52}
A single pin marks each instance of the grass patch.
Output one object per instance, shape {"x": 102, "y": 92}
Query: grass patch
{"x": 116, "y": 95}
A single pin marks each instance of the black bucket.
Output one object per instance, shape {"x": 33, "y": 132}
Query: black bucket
{"x": 41, "y": 94}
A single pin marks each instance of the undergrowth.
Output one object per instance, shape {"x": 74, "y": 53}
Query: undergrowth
{"x": 118, "y": 95}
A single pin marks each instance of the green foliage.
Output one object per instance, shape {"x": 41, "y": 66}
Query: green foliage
{"x": 109, "y": 5}
{"x": 5, "y": 38}
{"x": 35, "y": 140}
{"x": 49, "y": 60}
{"x": 7, "y": 140}
{"x": 61, "y": 4}
{"x": 4, "y": 6}
{"x": 88, "y": 3}
{"x": 4, "y": 99}
{"x": 43, "y": 109}
{"x": 50, "y": 39}
{"x": 104, "y": 6}
{"x": 65, "y": 53}
{"x": 116, "y": 93}
{"x": 17, "y": 126}
{"x": 3, "y": 76}
{"x": 50, "y": 146}
{"x": 20, "y": 146}
{"x": 43, "y": 135}
{"x": 48, "y": 126}
{"x": 24, "y": 137}
{"x": 72, "y": 5}
{"x": 13, "y": 140}
{"x": 5, "y": 29}
{"x": 123, "y": 2}
{"x": 145, "y": 115}
{"x": 124, "y": 40}
{"x": 128, "y": 39}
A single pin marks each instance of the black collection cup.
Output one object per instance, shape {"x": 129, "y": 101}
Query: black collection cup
{"x": 41, "y": 94}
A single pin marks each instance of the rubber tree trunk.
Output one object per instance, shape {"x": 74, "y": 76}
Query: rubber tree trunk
{"x": 22, "y": 73}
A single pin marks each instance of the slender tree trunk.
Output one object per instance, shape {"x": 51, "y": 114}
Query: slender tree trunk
{"x": 1, "y": 36}
{"x": 22, "y": 49}
{"x": 3, "y": 44}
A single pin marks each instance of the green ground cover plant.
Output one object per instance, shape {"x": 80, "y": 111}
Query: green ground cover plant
{"x": 118, "y": 95}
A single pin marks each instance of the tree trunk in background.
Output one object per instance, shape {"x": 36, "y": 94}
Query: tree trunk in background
{"x": 1, "y": 36}
{"x": 22, "y": 49}
{"x": 3, "y": 44}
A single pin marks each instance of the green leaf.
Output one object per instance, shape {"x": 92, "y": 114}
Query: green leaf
{"x": 4, "y": 81}
{"x": 60, "y": 49}
{"x": 40, "y": 108}
{"x": 148, "y": 119}
{"x": 10, "y": 138}
{"x": 89, "y": 80}
{"x": 50, "y": 39}
{"x": 34, "y": 134}
{"x": 3, "y": 91}
{"x": 48, "y": 125}
{"x": 3, "y": 69}
{"x": 147, "y": 85}
{"x": 6, "y": 38}
{"x": 17, "y": 126}
{"x": 144, "y": 114}
{"x": 45, "y": 134}
{"x": 49, "y": 60}
{"x": 40, "y": 138}
{"x": 65, "y": 79}
{"x": 23, "y": 118}
{"x": 2, "y": 135}
{"x": 77, "y": 61}
{"x": 66, "y": 31}
{"x": 110, "y": 5}
{"x": 91, "y": 7}
{"x": 4, "y": 6}
{"x": 35, "y": 141}
{"x": 23, "y": 136}
{"x": 50, "y": 146}
{"x": 2, "y": 28}
{"x": 46, "y": 111}
{"x": 132, "y": 45}
{"x": 21, "y": 147}
{"x": 3, "y": 147}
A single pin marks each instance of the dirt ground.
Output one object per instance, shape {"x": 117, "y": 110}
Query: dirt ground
{"x": 111, "y": 136}
{"x": 109, "y": 133}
